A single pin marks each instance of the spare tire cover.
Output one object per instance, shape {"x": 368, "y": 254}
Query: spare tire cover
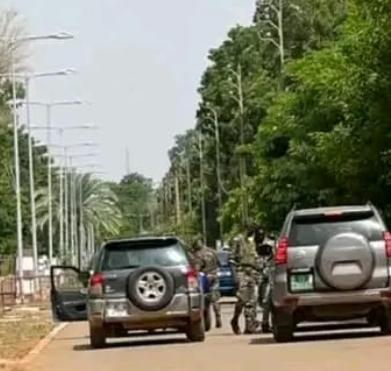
{"x": 151, "y": 288}
{"x": 346, "y": 262}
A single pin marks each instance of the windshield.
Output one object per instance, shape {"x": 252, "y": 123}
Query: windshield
{"x": 130, "y": 255}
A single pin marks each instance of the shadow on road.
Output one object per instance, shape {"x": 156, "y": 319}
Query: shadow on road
{"x": 134, "y": 343}
{"x": 319, "y": 335}
{"x": 69, "y": 338}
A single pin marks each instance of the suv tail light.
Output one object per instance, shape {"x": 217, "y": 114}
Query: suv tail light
{"x": 96, "y": 284}
{"x": 192, "y": 278}
{"x": 281, "y": 256}
{"x": 387, "y": 239}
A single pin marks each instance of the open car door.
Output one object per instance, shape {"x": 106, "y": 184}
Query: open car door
{"x": 68, "y": 293}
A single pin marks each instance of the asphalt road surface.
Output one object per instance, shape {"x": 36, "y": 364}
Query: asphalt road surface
{"x": 348, "y": 349}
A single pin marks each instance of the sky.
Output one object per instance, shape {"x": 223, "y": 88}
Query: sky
{"x": 139, "y": 64}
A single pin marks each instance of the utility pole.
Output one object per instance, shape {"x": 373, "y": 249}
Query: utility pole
{"x": 218, "y": 168}
{"x": 81, "y": 253}
{"x": 127, "y": 161}
{"x": 239, "y": 98}
{"x": 66, "y": 204}
{"x": 202, "y": 183}
{"x": 11, "y": 45}
{"x": 177, "y": 200}
{"x": 189, "y": 187}
{"x": 271, "y": 14}
{"x": 32, "y": 182}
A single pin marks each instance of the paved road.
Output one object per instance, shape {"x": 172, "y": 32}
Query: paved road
{"x": 358, "y": 350}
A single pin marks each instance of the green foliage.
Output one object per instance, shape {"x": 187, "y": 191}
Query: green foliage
{"x": 323, "y": 140}
{"x": 135, "y": 195}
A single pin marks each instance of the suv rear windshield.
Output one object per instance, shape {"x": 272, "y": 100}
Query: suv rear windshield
{"x": 133, "y": 254}
{"x": 318, "y": 230}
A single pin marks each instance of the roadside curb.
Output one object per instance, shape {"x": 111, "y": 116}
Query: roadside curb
{"x": 42, "y": 344}
{"x": 36, "y": 350}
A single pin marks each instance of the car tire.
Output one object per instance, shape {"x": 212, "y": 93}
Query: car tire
{"x": 385, "y": 322}
{"x": 207, "y": 318}
{"x": 283, "y": 326}
{"x": 195, "y": 331}
{"x": 97, "y": 337}
{"x": 137, "y": 299}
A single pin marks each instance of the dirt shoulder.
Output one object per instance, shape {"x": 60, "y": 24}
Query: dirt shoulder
{"x": 21, "y": 329}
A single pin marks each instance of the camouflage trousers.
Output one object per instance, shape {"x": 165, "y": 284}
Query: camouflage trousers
{"x": 215, "y": 297}
{"x": 247, "y": 303}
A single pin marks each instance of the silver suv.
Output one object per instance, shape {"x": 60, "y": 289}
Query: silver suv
{"x": 332, "y": 264}
{"x": 135, "y": 284}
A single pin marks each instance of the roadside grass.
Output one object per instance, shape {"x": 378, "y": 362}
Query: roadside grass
{"x": 20, "y": 330}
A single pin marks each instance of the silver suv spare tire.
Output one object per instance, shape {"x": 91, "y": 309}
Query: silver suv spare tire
{"x": 151, "y": 288}
{"x": 346, "y": 261}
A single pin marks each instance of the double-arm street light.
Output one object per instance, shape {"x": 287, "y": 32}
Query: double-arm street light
{"x": 82, "y": 241}
{"x": 271, "y": 14}
{"x": 27, "y": 77}
{"x": 214, "y": 117}
{"x": 63, "y": 177}
{"x": 49, "y": 106}
{"x": 237, "y": 94}
{"x": 68, "y": 194}
{"x": 12, "y": 44}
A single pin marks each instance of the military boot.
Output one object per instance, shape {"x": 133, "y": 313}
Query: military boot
{"x": 235, "y": 320}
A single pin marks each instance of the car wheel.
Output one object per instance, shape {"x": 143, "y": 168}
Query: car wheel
{"x": 283, "y": 326}
{"x": 195, "y": 331}
{"x": 385, "y": 322}
{"x": 151, "y": 288}
{"x": 97, "y": 337}
{"x": 207, "y": 318}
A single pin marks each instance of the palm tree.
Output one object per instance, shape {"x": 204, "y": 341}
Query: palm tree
{"x": 94, "y": 207}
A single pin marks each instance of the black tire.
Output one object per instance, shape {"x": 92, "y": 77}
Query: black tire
{"x": 97, "y": 337}
{"x": 385, "y": 322}
{"x": 195, "y": 331}
{"x": 283, "y": 326}
{"x": 207, "y": 318}
{"x": 135, "y": 297}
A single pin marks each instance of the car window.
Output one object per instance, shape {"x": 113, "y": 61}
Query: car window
{"x": 127, "y": 255}
{"x": 307, "y": 233}
{"x": 67, "y": 279}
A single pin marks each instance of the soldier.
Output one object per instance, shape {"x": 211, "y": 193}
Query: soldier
{"x": 264, "y": 247}
{"x": 248, "y": 278}
{"x": 206, "y": 261}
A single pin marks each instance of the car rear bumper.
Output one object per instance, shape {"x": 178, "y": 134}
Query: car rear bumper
{"x": 182, "y": 308}
{"x": 330, "y": 298}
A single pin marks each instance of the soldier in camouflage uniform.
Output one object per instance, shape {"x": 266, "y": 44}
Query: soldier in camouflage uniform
{"x": 264, "y": 247}
{"x": 206, "y": 261}
{"x": 248, "y": 278}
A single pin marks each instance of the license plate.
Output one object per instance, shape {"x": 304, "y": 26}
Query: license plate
{"x": 116, "y": 311}
{"x": 302, "y": 282}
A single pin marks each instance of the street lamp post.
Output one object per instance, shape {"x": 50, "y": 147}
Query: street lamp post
{"x": 81, "y": 253}
{"x": 68, "y": 195}
{"x": 48, "y": 107}
{"x": 215, "y": 120}
{"x": 63, "y": 199}
{"x": 202, "y": 181}
{"x": 27, "y": 78}
{"x": 264, "y": 17}
{"x": 19, "y": 229}
{"x": 239, "y": 98}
